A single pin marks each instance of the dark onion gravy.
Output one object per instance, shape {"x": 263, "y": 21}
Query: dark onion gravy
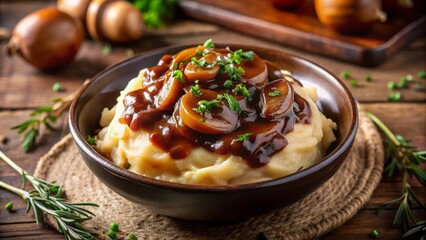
{"x": 165, "y": 108}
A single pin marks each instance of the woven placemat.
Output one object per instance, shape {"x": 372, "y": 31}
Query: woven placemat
{"x": 327, "y": 208}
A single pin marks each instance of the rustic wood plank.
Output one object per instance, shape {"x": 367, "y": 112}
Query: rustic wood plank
{"x": 365, "y": 221}
{"x": 407, "y": 120}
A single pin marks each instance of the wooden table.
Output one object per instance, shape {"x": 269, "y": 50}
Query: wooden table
{"x": 23, "y": 88}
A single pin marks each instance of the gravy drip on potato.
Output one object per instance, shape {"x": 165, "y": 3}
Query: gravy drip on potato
{"x": 226, "y": 101}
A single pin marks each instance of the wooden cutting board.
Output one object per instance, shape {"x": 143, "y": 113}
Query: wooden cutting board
{"x": 300, "y": 28}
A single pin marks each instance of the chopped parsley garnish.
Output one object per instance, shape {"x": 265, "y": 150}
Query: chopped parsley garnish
{"x": 240, "y": 88}
{"x": 421, "y": 74}
{"x": 228, "y": 84}
{"x": 391, "y": 85}
{"x": 107, "y": 49}
{"x": 178, "y": 75}
{"x": 209, "y": 44}
{"x": 195, "y": 89}
{"x": 57, "y": 87}
{"x": 395, "y": 97}
{"x": 274, "y": 93}
{"x": 231, "y": 102}
{"x": 243, "y": 137}
{"x": 202, "y": 62}
{"x": 234, "y": 74}
{"x": 204, "y": 106}
{"x": 203, "y": 119}
{"x": 91, "y": 139}
{"x": 239, "y": 55}
{"x": 368, "y": 78}
{"x": 345, "y": 74}
{"x": 354, "y": 83}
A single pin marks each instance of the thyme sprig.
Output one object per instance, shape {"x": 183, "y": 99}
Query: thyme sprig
{"x": 403, "y": 158}
{"x": 42, "y": 116}
{"x": 46, "y": 198}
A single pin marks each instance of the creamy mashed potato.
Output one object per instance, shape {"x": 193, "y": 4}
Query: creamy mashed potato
{"x": 306, "y": 146}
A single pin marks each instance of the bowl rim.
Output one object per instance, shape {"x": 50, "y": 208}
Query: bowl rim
{"x": 105, "y": 163}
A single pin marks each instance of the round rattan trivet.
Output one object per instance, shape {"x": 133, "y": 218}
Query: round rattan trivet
{"x": 327, "y": 208}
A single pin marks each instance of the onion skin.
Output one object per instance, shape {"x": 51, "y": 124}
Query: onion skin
{"x": 47, "y": 38}
{"x": 349, "y": 16}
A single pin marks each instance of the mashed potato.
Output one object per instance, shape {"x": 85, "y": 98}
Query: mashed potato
{"x": 306, "y": 146}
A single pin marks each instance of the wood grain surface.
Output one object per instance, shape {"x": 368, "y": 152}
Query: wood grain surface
{"x": 23, "y": 88}
{"x": 301, "y": 28}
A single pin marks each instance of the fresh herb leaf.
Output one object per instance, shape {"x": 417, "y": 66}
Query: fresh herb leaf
{"x": 403, "y": 82}
{"x": 232, "y": 102}
{"x": 374, "y": 234}
{"x": 345, "y": 74}
{"x": 9, "y": 206}
{"x": 209, "y": 44}
{"x": 421, "y": 74}
{"x": 107, "y": 49}
{"x": 195, "y": 89}
{"x": 392, "y": 85}
{"x": 178, "y": 75}
{"x": 243, "y": 137}
{"x": 91, "y": 139}
{"x": 204, "y": 106}
{"x": 239, "y": 55}
{"x": 132, "y": 236}
{"x": 274, "y": 93}
{"x": 241, "y": 88}
{"x": 203, "y": 119}
{"x": 114, "y": 226}
{"x": 368, "y": 78}
{"x": 354, "y": 83}
{"x": 395, "y": 97}
{"x": 202, "y": 63}
{"x": 228, "y": 84}
{"x": 112, "y": 234}
{"x": 156, "y": 12}
{"x": 57, "y": 87}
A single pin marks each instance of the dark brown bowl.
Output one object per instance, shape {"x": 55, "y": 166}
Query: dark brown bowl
{"x": 213, "y": 203}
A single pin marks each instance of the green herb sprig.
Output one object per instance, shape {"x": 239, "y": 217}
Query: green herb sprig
{"x": 243, "y": 137}
{"x": 45, "y": 116}
{"x": 46, "y": 198}
{"x": 155, "y": 12}
{"x": 403, "y": 158}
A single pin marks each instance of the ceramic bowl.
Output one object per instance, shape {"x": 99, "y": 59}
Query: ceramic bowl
{"x": 213, "y": 203}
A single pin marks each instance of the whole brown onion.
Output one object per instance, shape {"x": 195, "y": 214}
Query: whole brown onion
{"x": 47, "y": 38}
{"x": 349, "y": 16}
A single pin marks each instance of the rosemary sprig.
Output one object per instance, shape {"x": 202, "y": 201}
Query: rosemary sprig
{"x": 43, "y": 116}
{"x": 403, "y": 158}
{"x": 46, "y": 198}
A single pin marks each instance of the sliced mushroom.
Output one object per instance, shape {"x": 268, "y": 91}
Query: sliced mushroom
{"x": 255, "y": 71}
{"x": 152, "y": 74}
{"x": 218, "y": 120}
{"x": 170, "y": 93}
{"x": 203, "y": 73}
{"x": 276, "y": 99}
{"x": 185, "y": 55}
